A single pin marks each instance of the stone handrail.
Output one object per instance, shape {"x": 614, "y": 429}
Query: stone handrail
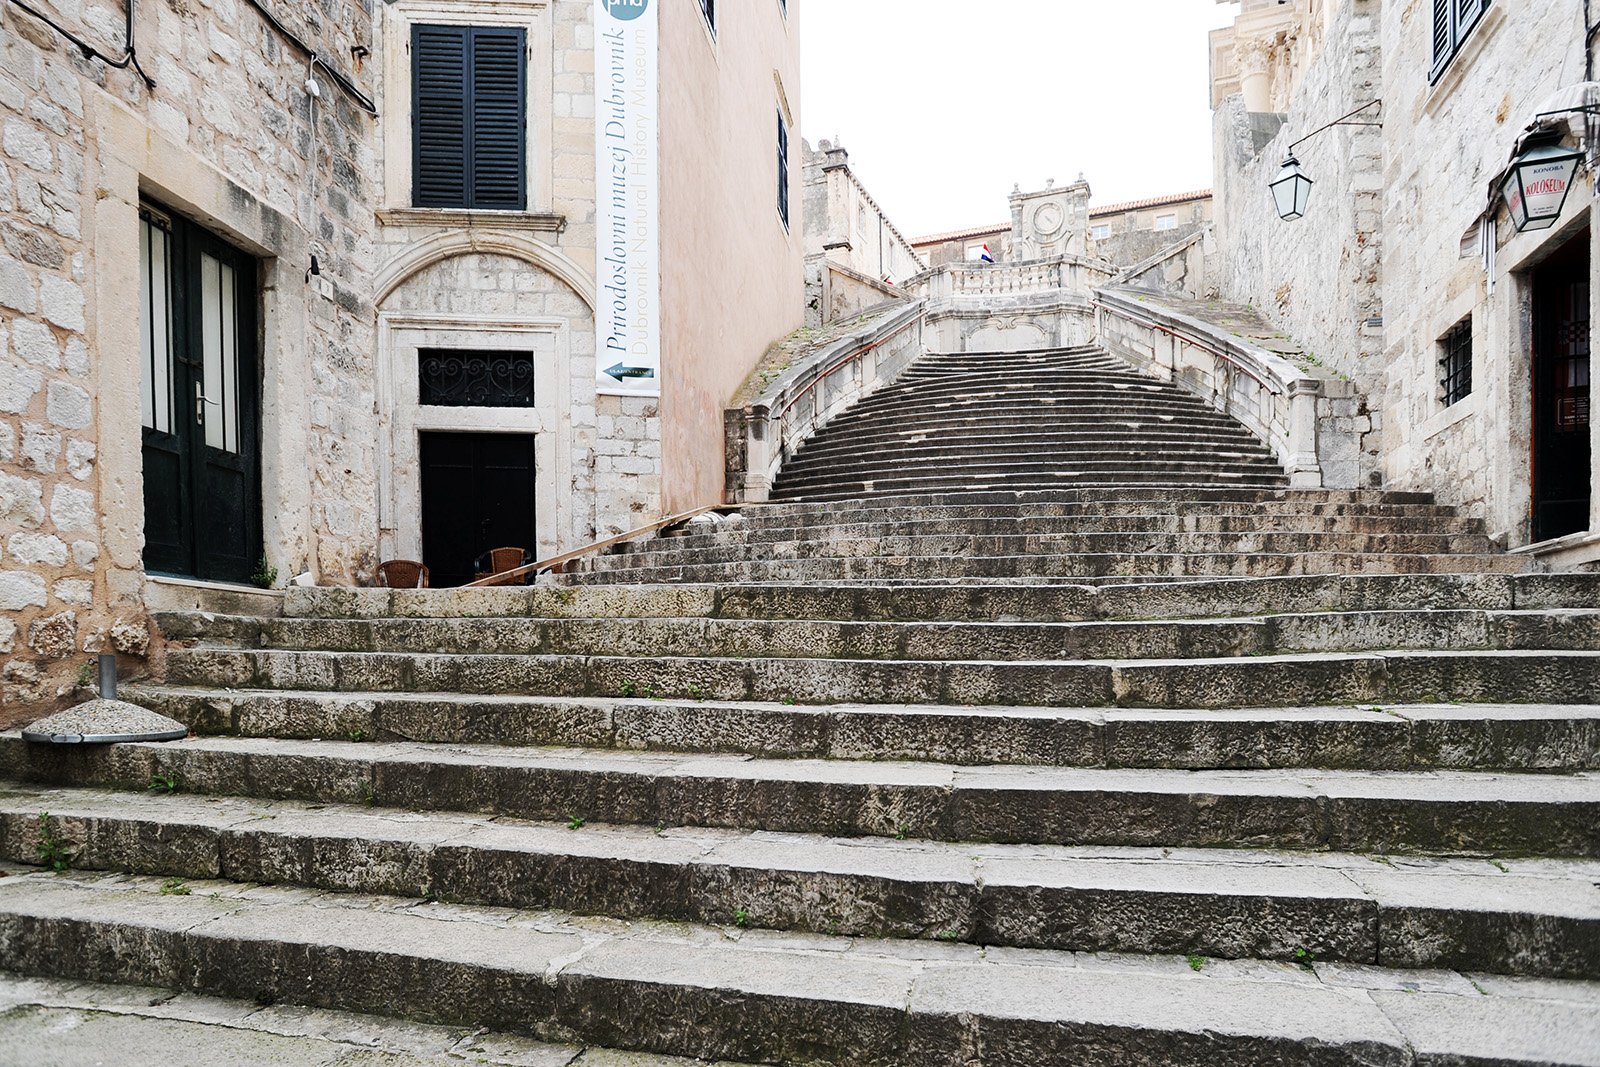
{"x": 760, "y": 436}
{"x": 1310, "y": 420}
{"x": 949, "y": 282}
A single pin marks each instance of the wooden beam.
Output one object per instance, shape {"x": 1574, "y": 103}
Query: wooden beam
{"x": 555, "y": 563}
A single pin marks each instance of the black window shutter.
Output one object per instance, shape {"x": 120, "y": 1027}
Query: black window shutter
{"x": 469, "y": 106}
{"x": 439, "y": 116}
{"x": 1467, "y": 15}
{"x": 499, "y": 147}
{"x": 1443, "y": 37}
{"x": 783, "y": 169}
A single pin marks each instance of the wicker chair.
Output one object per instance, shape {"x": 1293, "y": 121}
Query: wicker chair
{"x": 402, "y": 574}
{"x": 498, "y": 560}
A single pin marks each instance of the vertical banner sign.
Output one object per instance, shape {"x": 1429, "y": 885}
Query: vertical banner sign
{"x": 627, "y": 189}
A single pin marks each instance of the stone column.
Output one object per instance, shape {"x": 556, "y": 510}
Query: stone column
{"x": 1301, "y": 462}
{"x": 1254, "y": 61}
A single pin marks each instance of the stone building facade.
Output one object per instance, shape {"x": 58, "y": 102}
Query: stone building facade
{"x": 855, "y": 255}
{"x": 1407, "y": 274}
{"x": 1130, "y": 232}
{"x": 219, "y": 290}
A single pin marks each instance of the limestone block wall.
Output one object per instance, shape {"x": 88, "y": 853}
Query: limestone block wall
{"x": 225, "y": 137}
{"x": 1446, "y": 143}
{"x": 1317, "y": 278}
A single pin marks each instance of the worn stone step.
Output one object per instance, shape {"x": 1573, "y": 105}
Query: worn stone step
{"x": 734, "y": 529}
{"x": 913, "y": 443}
{"x": 1200, "y": 598}
{"x": 663, "y": 551}
{"x": 1351, "y": 811}
{"x": 826, "y": 492}
{"x": 1252, "y": 681}
{"x": 1538, "y": 917}
{"x": 778, "y": 998}
{"x": 1173, "y": 466}
{"x": 860, "y": 511}
{"x": 1101, "y": 496}
{"x": 50, "y": 1022}
{"x": 1400, "y": 737}
{"x": 1125, "y": 565}
{"x": 1571, "y": 629}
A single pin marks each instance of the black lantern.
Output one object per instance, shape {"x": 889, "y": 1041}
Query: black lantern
{"x": 1536, "y": 189}
{"x": 1291, "y": 190}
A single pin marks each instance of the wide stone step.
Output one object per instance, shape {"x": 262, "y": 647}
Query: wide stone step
{"x": 933, "y": 396}
{"x": 787, "y": 998}
{"x": 1252, "y": 681}
{"x": 845, "y": 489}
{"x": 1395, "y": 737}
{"x": 1577, "y": 630}
{"x": 1439, "y": 812}
{"x": 1108, "y": 417}
{"x": 1111, "y": 495}
{"x": 1174, "y": 465}
{"x": 1530, "y": 917}
{"x": 966, "y": 603}
{"x": 736, "y": 529}
{"x": 912, "y": 443}
{"x": 665, "y": 551}
{"x": 51, "y": 1022}
{"x": 1125, "y": 565}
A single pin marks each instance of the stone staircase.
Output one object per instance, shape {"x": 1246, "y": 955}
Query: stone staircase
{"x": 1024, "y": 421}
{"x": 1131, "y": 775}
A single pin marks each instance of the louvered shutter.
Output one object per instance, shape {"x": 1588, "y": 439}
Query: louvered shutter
{"x": 439, "y": 116}
{"x": 1443, "y": 37}
{"x": 498, "y": 120}
{"x": 1467, "y": 14}
{"x": 783, "y": 169}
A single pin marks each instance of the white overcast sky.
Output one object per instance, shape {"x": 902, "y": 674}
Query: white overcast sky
{"x": 945, "y": 104}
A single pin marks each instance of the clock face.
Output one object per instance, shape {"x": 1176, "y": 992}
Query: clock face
{"x": 1048, "y": 220}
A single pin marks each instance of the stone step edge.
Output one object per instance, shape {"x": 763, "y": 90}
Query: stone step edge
{"x": 1220, "y": 904}
{"x": 786, "y": 999}
{"x": 1436, "y": 812}
{"x": 1420, "y": 738}
{"x": 54, "y": 1021}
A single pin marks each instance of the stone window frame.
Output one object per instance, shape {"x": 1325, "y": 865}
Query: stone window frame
{"x": 1455, "y": 363}
{"x": 537, "y": 19}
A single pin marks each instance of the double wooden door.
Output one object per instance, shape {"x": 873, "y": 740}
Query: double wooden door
{"x": 200, "y": 402}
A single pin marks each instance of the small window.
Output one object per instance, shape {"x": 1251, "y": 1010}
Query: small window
{"x": 1101, "y": 231}
{"x": 457, "y": 378}
{"x": 783, "y": 170}
{"x": 1166, "y": 222}
{"x": 1455, "y": 362}
{"x": 1453, "y": 22}
{"x": 469, "y": 127}
{"x": 708, "y": 8}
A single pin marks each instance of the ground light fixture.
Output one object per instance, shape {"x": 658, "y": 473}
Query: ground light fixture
{"x": 1539, "y": 180}
{"x": 1291, "y": 190}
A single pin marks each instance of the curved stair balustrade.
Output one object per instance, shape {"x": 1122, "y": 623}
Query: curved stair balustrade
{"x": 1316, "y": 422}
{"x": 761, "y": 435}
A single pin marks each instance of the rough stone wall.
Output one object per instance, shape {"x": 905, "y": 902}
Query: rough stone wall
{"x": 1317, "y": 279}
{"x": 227, "y": 101}
{"x": 852, "y": 246}
{"x": 1136, "y": 246}
{"x": 1446, "y": 143}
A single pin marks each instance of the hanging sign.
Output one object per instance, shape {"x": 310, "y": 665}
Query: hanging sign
{"x": 627, "y": 191}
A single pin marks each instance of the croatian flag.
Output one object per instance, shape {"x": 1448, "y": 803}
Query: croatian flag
{"x": 986, "y": 257}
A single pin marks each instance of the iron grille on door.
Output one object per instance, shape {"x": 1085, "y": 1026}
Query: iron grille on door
{"x": 453, "y": 378}
{"x": 469, "y": 128}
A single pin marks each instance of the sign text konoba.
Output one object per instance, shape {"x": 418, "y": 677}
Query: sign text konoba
{"x": 627, "y": 191}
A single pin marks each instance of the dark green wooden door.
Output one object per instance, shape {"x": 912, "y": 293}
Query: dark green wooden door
{"x": 200, "y": 402}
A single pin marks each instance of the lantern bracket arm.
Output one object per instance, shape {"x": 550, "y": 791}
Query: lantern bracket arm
{"x": 1343, "y": 120}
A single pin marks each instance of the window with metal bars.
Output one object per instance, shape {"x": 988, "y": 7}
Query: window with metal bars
{"x": 469, "y": 105}
{"x": 1453, "y": 22}
{"x": 783, "y": 170}
{"x": 1455, "y": 362}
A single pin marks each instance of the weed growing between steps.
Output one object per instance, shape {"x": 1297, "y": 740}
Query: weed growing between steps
{"x": 52, "y": 849}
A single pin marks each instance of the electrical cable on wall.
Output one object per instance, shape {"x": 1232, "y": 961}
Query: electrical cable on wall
{"x": 363, "y": 101}
{"x": 130, "y": 55}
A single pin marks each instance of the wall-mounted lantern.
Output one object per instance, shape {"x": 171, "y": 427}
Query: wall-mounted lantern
{"x": 1537, "y": 185}
{"x": 1291, "y": 190}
